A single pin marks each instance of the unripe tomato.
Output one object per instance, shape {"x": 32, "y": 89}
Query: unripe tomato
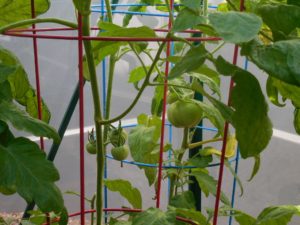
{"x": 117, "y": 138}
{"x": 120, "y": 153}
{"x": 171, "y": 98}
{"x": 91, "y": 148}
{"x": 184, "y": 114}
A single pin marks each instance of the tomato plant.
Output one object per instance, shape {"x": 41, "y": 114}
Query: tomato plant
{"x": 271, "y": 43}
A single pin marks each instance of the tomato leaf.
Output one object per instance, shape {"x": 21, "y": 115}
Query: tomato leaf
{"x": 9, "y": 112}
{"x": 17, "y": 10}
{"x": 256, "y": 167}
{"x": 18, "y": 166}
{"x": 207, "y": 81}
{"x": 21, "y": 89}
{"x": 273, "y": 92}
{"x": 250, "y": 119}
{"x": 138, "y": 74}
{"x": 193, "y": 59}
{"x": 187, "y": 18}
{"x": 279, "y": 60}
{"x": 192, "y": 4}
{"x": 142, "y": 142}
{"x": 297, "y": 120}
{"x": 124, "y": 187}
{"x": 236, "y": 27}
{"x": 192, "y": 214}
{"x": 135, "y": 8}
{"x": 277, "y": 215}
{"x": 208, "y": 184}
{"x": 154, "y": 216}
{"x": 184, "y": 200}
{"x": 289, "y": 18}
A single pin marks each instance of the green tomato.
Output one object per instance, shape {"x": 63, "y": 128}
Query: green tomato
{"x": 91, "y": 148}
{"x": 117, "y": 138}
{"x": 120, "y": 153}
{"x": 8, "y": 190}
{"x": 171, "y": 98}
{"x": 184, "y": 114}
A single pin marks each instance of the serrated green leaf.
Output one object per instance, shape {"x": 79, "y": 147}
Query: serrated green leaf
{"x": 250, "y": 119}
{"x": 193, "y": 59}
{"x": 20, "y": 87}
{"x": 154, "y": 216}
{"x": 5, "y": 71}
{"x": 208, "y": 184}
{"x": 151, "y": 121}
{"x": 273, "y": 92}
{"x": 205, "y": 80}
{"x": 213, "y": 115}
{"x": 194, "y": 215}
{"x": 293, "y": 2}
{"x": 236, "y": 27}
{"x": 244, "y": 219}
{"x": 276, "y": 215}
{"x": 5, "y": 91}
{"x": 9, "y": 112}
{"x": 279, "y": 60}
{"x": 17, "y": 10}
{"x": 225, "y": 68}
{"x": 124, "y": 187}
{"x": 281, "y": 27}
{"x": 184, "y": 200}
{"x": 256, "y": 167}
{"x": 209, "y": 72}
{"x": 288, "y": 91}
{"x": 18, "y": 166}
{"x": 138, "y": 74}
{"x": 187, "y": 18}
{"x": 5, "y": 134}
{"x": 142, "y": 142}
{"x": 192, "y": 4}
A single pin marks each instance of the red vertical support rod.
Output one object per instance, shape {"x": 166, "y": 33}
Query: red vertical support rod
{"x": 81, "y": 121}
{"x": 161, "y": 147}
{"x": 221, "y": 169}
{"x": 37, "y": 72}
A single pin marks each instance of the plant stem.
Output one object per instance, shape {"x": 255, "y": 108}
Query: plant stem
{"x": 143, "y": 87}
{"x": 97, "y": 118}
{"x": 174, "y": 178}
{"x": 197, "y": 144}
{"x": 37, "y": 20}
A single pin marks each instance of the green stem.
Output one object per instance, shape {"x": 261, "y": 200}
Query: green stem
{"x": 38, "y": 20}
{"x": 93, "y": 207}
{"x": 197, "y": 144}
{"x": 138, "y": 56}
{"x": 97, "y": 118}
{"x": 143, "y": 87}
{"x": 174, "y": 178}
{"x": 109, "y": 12}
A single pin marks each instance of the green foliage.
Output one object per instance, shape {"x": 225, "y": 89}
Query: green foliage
{"x": 19, "y": 161}
{"x": 193, "y": 59}
{"x": 9, "y": 112}
{"x": 245, "y": 30}
{"x": 279, "y": 60}
{"x": 154, "y": 216}
{"x": 208, "y": 184}
{"x": 124, "y": 187}
{"x": 184, "y": 200}
{"x": 250, "y": 119}
{"x": 297, "y": 120}
{"x": 284, "y": 25}
{"x": 17, "y": 10}
{"x": 142, "y": 142}
{"x": 187, "y": 18}
{"x": 20, "y": 88}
